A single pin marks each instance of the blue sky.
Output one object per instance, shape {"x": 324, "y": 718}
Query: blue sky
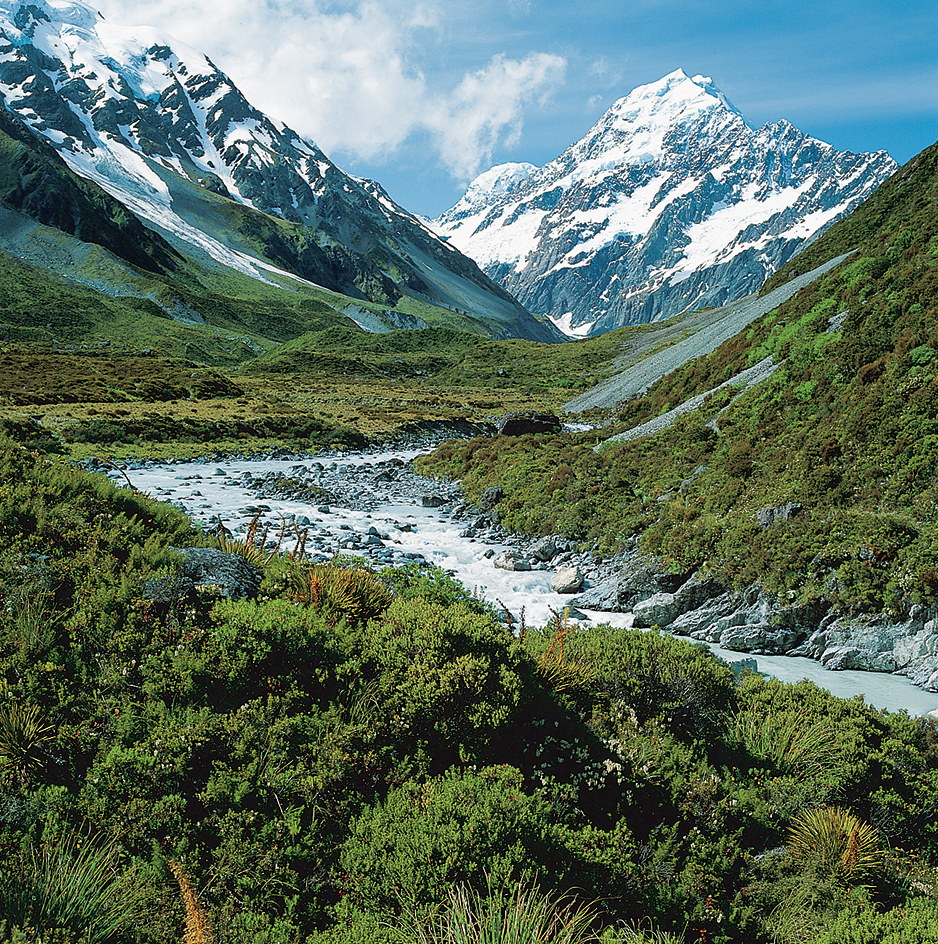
{"x": 421, "y": 96}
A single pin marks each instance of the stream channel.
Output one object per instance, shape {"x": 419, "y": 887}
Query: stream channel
{"x": 378, "y": 513}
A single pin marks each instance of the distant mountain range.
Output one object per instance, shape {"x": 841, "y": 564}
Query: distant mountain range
{"x": 671, "y": 202}
{"x": 166, "y": 134}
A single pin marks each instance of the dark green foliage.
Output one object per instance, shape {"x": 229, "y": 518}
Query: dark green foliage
{"x": 660, "y": 678}
{"x": 343, "y": 750}
{"x": 462, "y": 827}
{"x": 450, "y": 677}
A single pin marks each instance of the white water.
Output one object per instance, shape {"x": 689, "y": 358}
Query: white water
{"x": 438, "y": 540}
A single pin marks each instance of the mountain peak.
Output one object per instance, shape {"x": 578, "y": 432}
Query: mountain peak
{"x": 26, "y": 16}
{"x": 675, "y": 98}
{"x": 671, "y": 201}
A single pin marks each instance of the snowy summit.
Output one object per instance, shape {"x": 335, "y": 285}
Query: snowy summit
{"x": 670, "y": 202}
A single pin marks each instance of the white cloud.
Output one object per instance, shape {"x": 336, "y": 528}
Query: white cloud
{"x": 487, "y": 107}
{"x": 343, "y": 74}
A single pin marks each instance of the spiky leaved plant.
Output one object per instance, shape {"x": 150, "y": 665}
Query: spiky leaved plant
{"x": 562, "y": 673}
{"x": 637, "y": 934}
{"x": 837, "y": 841}
{"x": 252, "y": 546}
{"x": 522, "y": 915}
{"x": 23, "y": 729}
{"x": 787, "y": 742}
{"x": 72, "y": 885}
{"x": 353, "y": 593}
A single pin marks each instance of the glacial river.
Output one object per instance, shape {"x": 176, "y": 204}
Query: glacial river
{"x": 206, "y": 490}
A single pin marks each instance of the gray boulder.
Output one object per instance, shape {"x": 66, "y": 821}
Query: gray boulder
{"x": 490, "y": 498}
{"x": 230, "y": 574}
{"x": 566, "y": 580}
{"x": 234, "y": 576}
{"x": 766, "y": 517}
{"x": 544, "y": 548}
{"x": 511, "y": 560}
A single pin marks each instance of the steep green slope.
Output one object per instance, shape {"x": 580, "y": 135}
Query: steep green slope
{"x": 847, "y": 427}
{"x": 35, "y": 181}
{"x": 78, "y": 268}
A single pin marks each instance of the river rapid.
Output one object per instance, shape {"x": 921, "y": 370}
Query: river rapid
{"x": 374, "y": 506}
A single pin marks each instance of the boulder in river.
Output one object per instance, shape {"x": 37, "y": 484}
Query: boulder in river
{"x": 566, "y": 580}
{"x": 638, "y": 578}
{"x": 544, "y": 548}
{"x": 511, "y": 560}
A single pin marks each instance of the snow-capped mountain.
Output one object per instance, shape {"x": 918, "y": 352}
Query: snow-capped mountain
{"x": 160, "y": 128}
{"x": 671, "y": 202}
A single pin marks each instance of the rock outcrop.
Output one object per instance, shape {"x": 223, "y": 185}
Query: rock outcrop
{"x": 229, "y": 575}
{"x": 524, "y": 422}
{"x": 754, "y": 621}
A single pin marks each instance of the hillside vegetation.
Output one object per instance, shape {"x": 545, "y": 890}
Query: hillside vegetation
{"x": 846, "y": 427}
{"x": 361, "y": 757}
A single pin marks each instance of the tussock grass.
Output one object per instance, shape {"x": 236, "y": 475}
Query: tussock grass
{"x": 524, "y": 916}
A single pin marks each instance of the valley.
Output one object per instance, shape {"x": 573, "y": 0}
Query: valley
{"x": 566, "y": 565}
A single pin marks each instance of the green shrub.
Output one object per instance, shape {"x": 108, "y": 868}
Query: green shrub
{"x": 659, "y": 677}
{"x": 475, "y": 828}
{"x": 451, "y": 678}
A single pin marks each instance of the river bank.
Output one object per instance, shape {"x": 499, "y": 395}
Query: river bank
{"x": 371, "y": 504}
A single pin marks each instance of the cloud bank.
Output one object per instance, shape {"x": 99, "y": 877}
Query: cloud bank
{"x": 343, "y": 75}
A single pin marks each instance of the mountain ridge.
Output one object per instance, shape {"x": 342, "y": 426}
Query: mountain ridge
{"x": 670, "y": 202}
{"x": 157, "y": 125}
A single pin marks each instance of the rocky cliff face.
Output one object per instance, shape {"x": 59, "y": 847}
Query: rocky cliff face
{"x": 160, "y": 128}
{"x": 671, "y": 202}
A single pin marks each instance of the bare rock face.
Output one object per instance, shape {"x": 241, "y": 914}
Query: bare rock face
{"x": 638, "y": 579}
{"x": 758, "y": 622}
{"x": 664, "y": 608}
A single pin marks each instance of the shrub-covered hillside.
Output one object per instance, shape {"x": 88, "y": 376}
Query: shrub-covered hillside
{"x": 846, "y": 427}
{"x": 364, "y": 757}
